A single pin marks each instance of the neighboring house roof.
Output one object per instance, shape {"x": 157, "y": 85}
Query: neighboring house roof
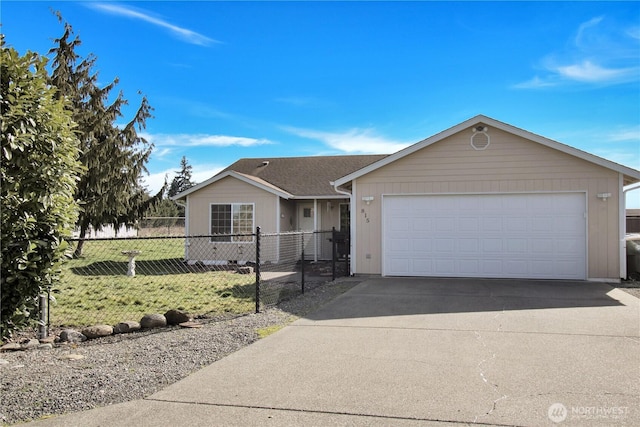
{"x": 630, "y": 175}
{"x": 292, "y": 177}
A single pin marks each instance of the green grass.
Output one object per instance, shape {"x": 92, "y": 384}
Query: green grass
{"x": 268, "y": 330}
{"x": 95, "y": 288}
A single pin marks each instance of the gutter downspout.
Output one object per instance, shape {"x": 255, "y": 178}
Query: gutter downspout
{"x": 352, "y": 209}
{"x": 623, "y": 225}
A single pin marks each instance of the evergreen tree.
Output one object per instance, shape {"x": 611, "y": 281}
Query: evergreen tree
{"x": 115, "y": 158}
{"x": 39, "y": 170}
{"x": 182, "y": 180}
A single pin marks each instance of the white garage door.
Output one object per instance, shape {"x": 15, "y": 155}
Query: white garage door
{"x": 497, "y": 235}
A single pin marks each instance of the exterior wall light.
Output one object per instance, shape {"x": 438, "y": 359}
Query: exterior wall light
{"x": 367, "y": 199}
{"x": 603, "y": 196}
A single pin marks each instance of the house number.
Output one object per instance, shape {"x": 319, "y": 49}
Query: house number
{"x": 366, "y": 217}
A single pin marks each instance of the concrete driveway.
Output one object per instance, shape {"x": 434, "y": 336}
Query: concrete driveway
{"x": 422, "y": 352}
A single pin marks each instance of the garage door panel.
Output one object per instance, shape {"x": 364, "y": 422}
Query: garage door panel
{"x": 420, "y": 224}
{"x": 470, "y": 225}
{"x": 542, "y": 224}
{"x": 422, "y": 245}
{"x": 542, "y": 247}
{"x": 492, "y": 245}
{"x": 443, "y": 266}
{"x": 533, "y": 235}
{"x": 399, "y": 245}
{"x": 491, "y": 268}
{"x": 445, "y": 224}
{"x": 469, "y": 267}
{"x": 399, "y": 264}
{"x": 516, "y": 246}
{"x": 468, "y": 246}
{"x": 515, "y": 224}
{"x": 568, "y": 247}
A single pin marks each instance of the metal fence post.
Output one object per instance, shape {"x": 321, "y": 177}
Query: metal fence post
{"x": 257, "y": 269}
{"x": 44, "y": 306}
{"x": 302, "y": 262}
{"x": 334, "y": 253}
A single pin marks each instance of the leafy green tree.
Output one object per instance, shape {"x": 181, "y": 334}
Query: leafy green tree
{"x": 114, "y": 157}
{"x": 39, "y": 172}
{"x": 182, "y": 181}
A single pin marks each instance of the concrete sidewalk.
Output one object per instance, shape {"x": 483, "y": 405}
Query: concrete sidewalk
{"x": 411, "y": 352}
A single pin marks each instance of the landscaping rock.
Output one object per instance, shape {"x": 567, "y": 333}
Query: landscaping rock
{"x": 97, "y": 331}
{"x": 153, "y": 321}
{"x": 175, "y": 317}
{"x": 72, "y": 336}
{"x": 72, "y": 357}
{"x": 47, "y": 346}
{"x": 29, "y": 344}
{"x": 191, "y": 325}
{"x": 48, "y": 340}
{"x": 126, "y": 327}
{"x": 12, "y": 346}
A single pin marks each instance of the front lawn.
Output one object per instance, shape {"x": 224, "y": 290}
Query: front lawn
{"x": 96, "y": 289}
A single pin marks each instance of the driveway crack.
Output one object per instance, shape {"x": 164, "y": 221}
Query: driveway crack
{"x": 482, "y": 368}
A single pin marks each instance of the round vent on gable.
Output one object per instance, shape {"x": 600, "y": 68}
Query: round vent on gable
{"x": 480, "y": 139}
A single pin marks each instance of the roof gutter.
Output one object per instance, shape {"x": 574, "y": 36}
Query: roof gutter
{"x": 335, "y": 187}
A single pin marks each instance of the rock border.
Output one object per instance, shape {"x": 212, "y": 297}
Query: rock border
{"x": 72, "y": 336}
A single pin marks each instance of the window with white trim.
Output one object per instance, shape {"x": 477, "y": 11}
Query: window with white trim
{"x": 231, "y": 221}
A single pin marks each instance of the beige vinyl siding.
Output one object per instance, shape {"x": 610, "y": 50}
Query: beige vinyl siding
{"x": 510, "y": 164}
{"x": 288, "y": 216}
{"x": 228, "y": 190}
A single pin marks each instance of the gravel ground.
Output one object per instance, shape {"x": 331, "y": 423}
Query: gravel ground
{"x": 631, "y": 287}
{"x": 120, "y": 368}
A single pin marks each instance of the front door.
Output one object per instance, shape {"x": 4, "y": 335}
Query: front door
{"x": 306, "y": 222}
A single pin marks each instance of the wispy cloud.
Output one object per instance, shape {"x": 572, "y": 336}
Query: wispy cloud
{"x": 535, "y": 83}
{"x": 601, "y": 52}
{"x": 589, "y": 72}
{"x": 626, "y": 134}
{"x": 202, "y": 140}
{"x": 184, "y": 34}
{"x": 351, "y": 141}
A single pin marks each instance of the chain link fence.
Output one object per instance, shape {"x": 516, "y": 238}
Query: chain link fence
{"x": 120, "y": 279}
{"x": 161, "y": 226}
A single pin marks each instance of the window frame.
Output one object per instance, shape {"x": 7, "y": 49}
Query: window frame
{"x": 232, "y": 236}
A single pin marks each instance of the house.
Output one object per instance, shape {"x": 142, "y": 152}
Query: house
{"x": 480, "y": 199}
{"x": 278, "y": 195}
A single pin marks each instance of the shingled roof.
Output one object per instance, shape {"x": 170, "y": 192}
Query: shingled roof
{"x": 303, "y": 176}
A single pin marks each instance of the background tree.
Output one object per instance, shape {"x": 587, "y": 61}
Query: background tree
{"x": 39, "y": 171}
{"x": 182, "y": 181}
{"x": 114, "y": 157}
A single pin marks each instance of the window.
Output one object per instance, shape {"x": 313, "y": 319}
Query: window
{"x": 229, "y": 220}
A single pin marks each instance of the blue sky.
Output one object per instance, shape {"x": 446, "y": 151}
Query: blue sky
{"x": 256, "y": 79}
